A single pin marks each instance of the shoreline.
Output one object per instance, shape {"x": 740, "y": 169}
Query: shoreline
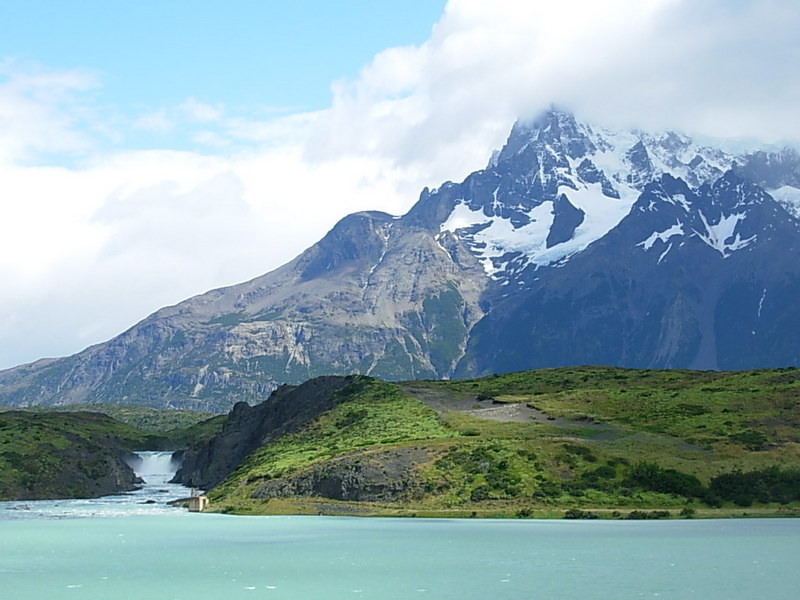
{"x": 326, "y": 507}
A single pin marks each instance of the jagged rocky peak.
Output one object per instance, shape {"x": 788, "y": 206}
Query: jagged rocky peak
{"x": 772, "y": 169}
{"x": 555, "y": 128}
{"x": 559, "y": 184}
{"x": 547, "y": 194}
{"x": 732, "y": 193}
{"x": 642, "y": 170}
{"x": 556, "y": 144}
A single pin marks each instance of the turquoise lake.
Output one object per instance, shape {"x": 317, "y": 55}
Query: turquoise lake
{"x": 122, "y": 548}
{"x": 182, "y": 556}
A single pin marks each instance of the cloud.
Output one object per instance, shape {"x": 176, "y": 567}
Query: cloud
{"x": 714, "y": 67}
{"x": 87, "y": 251}
{"x": 156, "y": 122}
{"x": 41, "y": 110}
{"x": 199, "y": 111}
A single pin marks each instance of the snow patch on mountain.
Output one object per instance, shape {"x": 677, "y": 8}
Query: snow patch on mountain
{"x": 663, "y": 236}
{"x": 667, "y": 152}
{"x": 720, "y": 236}
{"x": 493, "y": 238}
{"x": 679, "y": 200}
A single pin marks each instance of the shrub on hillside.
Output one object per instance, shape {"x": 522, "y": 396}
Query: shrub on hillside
{"x": 651, "y": 477}
{"x": 764, "y": 486}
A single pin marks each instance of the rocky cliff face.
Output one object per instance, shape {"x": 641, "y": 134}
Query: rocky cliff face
{"x": 372, "y": 476}
{"x": 562, "y": 251}
{"x": 249, "y": 427}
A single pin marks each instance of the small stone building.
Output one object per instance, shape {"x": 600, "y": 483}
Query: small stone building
{"x": 198, "y": 503}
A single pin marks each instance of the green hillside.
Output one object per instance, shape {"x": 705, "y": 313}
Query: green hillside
{"x": 63, "y": 455}
{"x": 579, "y": 442}
{"x": 80, "y": 454}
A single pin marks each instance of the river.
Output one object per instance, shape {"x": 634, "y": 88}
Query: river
{"x": 124, "y": 548}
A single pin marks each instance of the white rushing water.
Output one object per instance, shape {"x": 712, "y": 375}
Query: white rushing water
{"x": 155, "y": 469}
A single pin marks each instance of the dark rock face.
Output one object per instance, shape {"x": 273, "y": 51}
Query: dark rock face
{"x": 772, "y": 169}
{"x": 354, "y": 238}
{"x": 589, "y": 172}
{"x": 109, "y": 474}
{"x": 566, "y": 219}
{"x": 383, "y": 476}
{"x": 249, "y": 427}
{"x": 642, "y": 169}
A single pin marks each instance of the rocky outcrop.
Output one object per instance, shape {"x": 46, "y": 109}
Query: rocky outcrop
{"x": 378, "y": 476}
{"x": 88, "y": 472}
{"x": 249, "y": 427}
{"x": 566, "y": 219}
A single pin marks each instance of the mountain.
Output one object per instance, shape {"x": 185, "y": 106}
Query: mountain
{"x": 575, "y": 245}
{"x": 702, "y": 279}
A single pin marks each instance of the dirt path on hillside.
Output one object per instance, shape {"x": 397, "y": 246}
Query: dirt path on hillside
{"x": 441, "y": 399}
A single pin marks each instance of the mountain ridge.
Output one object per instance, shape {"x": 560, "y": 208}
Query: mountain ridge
{"x": 430, "y": 294}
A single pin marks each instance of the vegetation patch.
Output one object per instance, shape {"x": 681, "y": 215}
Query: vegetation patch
{"x": 62, "y": 455}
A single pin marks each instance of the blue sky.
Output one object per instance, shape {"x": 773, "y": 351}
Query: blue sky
{"x": 255, "y": 58}
{"x": 150, "y": 151}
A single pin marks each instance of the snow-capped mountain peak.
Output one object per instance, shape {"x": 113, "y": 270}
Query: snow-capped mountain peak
{"x": 558, "y": 185}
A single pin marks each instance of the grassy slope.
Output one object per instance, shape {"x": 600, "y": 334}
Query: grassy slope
{"x": 683, "y": 418}
{"x": 608, "y": 439}
{"x": 166, "y": 429}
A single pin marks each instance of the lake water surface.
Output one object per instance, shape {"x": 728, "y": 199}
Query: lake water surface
{"x": 120, "y": 548}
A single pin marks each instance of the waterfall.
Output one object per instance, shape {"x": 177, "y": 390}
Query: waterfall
{"x": 154, "y": 467}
